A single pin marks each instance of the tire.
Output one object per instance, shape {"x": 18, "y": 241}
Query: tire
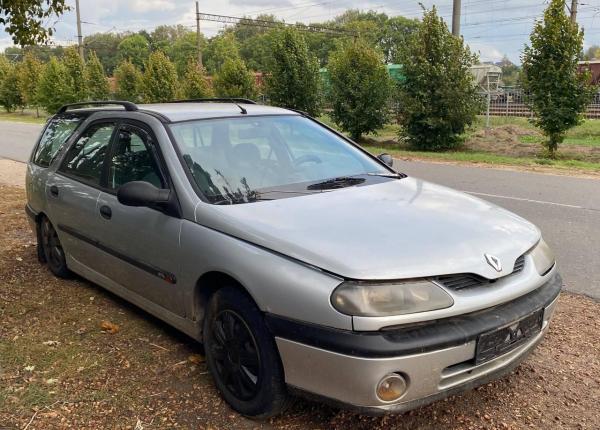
{"x": 53, "y": 252}
{"x": 242, "y": 357}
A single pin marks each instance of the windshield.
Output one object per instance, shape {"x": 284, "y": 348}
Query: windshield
{"x": 236, "y": 160}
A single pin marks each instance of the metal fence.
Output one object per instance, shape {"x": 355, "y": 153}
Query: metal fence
{"x": 510, "y": 101}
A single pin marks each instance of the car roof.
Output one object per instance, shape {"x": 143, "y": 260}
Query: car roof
{"x": 186, "y": 111}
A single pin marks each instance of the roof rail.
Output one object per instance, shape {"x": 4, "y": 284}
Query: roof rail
{"x": 129, "y": 106}
{"x": 217, "y": 100}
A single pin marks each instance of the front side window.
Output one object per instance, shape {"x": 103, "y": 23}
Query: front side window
{"x": 85, "y": 159}
{"x": 236, "y": 160}
{"x": 132, "y": 159}
{"x": 56, "y": 133}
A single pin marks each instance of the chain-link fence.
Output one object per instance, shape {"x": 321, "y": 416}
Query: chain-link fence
{"x": 510, "y": 101}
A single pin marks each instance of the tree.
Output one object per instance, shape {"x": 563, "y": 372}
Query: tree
{"x": 75, "y": 68}
{"x": 160, "y": 79}
{"x": 97, "y": 83}
{"x": 10, "y": 96}
{"x": 185, "y": 49}
{"x": 510, "y": 72}
{"x": 25, "y": 20}
{"x": 30, "y": 72}
{"x": 53, "y": 88}
{"x": 195, "y": 84}
{"x": 219, "y": 49}
{"x": 105, "y": 45}
{"x": 129, "y": 81}
{"x": 234, "y": 80}
{"x": 135, "y": 48}
{"x": 592, "y": 53}
{"x": 293, "y": 78}
{"x": 438, "y": 99}
{"x": 359, "y": 89}
{"x": 558, "y": 93}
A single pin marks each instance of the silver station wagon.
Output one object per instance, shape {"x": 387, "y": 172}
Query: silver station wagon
{"x": 302, "y": 263}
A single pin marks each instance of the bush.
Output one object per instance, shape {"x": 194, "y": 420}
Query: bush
{"x": 134, "y": 48}
{"x": 10, "y": 96}
{"x": 96, "y": 80}
{"x": 160, "y": 79}
{"x": 558, "y": 94}
{"x": 438, "y": 99}
{"x": 128, "y": 81}
{"x": 293, "y": 79}
{"x": 234, "y": 80}
{"x": 359, "y": 89}
{"x": 195, "y": 83}
{"x": 53, "y": 89}
{"x": 76, "y": 80}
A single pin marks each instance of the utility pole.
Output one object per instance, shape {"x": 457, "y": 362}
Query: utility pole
{"x": 456, "y": 18}
{"x": 198, "y": 35}
{"x": 574, "y": 10}
{"x": 79, "y": 36}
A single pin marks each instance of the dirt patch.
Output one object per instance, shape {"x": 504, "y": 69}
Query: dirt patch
{"x": 508, "y": 140}
{"x": 12, "y": 173}
{"x": 60, "y": 369}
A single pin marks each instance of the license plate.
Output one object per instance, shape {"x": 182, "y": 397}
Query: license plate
{"x": 504, "y": 339}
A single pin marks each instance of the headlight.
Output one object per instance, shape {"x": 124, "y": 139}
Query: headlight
{"x": 384, "y": 299}
{"x": 543, "y": 257}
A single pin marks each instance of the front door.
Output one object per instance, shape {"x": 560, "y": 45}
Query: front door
{"x": 143, "y": 243}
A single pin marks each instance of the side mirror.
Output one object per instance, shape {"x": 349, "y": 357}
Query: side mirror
{"x": 387, "y": 159}
{"x": 140, "y": 193}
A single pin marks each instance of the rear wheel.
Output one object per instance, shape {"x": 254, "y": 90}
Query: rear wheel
{"x": 242, "y": 357}
{"x": 52, "y": 249}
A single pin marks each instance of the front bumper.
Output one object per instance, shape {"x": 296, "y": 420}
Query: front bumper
{"x": 436, "y": 359}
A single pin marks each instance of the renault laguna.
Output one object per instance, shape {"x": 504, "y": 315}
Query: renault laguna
{"x": 302, "y": 263}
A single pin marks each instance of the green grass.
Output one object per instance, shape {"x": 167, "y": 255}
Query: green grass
{"x": 27, "y": 116}
{"x": 487, "y": 158}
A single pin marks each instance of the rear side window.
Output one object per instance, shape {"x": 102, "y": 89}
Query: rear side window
{"x": 57, "y": 132}
{"x": 85, "y": 159}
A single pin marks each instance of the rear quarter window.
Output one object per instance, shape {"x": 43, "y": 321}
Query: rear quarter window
{"x": 56, "y": 133}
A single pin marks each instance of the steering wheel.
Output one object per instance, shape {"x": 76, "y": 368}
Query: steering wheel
{"x": 308, "y": 158}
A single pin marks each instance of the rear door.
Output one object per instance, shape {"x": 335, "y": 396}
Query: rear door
{"x": 72, "y": 193}
{"x": 143, "y": 243}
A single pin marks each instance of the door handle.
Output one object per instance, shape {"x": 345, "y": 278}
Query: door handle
{"x": 54, "y": 191}
{"x": 106, "y": 212}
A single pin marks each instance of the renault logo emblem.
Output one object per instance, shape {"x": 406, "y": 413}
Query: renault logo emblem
{"x": 494, "y": 262}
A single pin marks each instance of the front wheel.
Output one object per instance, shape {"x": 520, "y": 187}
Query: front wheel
{"x": 242, "y": 357}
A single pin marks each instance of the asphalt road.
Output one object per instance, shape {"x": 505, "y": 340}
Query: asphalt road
{"x": 567, "y": 209}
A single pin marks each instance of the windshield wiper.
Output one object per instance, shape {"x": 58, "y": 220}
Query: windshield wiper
{"x": 339, "y": 182}
{"x": 388, "y": 175}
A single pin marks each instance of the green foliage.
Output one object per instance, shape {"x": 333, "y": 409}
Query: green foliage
{"x": 10, "y": 96}
{"x": 220, "y": 49}
{"x": 135, "y": 48}
{"x": 97, "y": 83}
{"x": 184, "y": 50}
{"x": 510, "y": 72}
{"x": 4, "y": 66}
{"x": 195, "y": 84}
{"x": 53, "y": 88}
{"x": 30, "y": 72}
{"x": 592, "y": 53}
{"x": 293, "y": 79}
{"x": 76, "y": 80}
{"x": 234, "y": 80}
{"x": 438, "y": 99}
{"x": 255, "y": 42}
{"x": 160, "y": 79}
{"x": 25, "y": 20}
{"x": 558, "y": 93}
{"x": 360, "y": 89}
{"x": 105, "y": 45}
{"x": 129, "y": 82}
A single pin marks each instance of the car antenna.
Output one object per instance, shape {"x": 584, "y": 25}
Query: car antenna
{"x": 242, "y": 109}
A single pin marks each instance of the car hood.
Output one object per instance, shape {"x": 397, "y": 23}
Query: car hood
{"x": 392, "y": 230}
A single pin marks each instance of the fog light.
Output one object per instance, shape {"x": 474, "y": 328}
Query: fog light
{"x": 391, "y": 387}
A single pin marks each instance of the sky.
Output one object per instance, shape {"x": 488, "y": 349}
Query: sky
{"x": 492, "y": 28}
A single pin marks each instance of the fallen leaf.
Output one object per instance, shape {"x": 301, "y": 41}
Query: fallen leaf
{"x": 51, "y": 343}
{"x": 196, "y": 359}
{"x": 29, "y": 368}
{"x": 109, "y": 327}
{"x": 51, "y": 381}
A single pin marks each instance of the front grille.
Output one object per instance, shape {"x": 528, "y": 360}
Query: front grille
{"x": 461, "y": 281}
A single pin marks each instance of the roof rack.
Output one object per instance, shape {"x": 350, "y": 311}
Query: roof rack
{"x": 217, "y": 100}
{"x": 129, "y": 106}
